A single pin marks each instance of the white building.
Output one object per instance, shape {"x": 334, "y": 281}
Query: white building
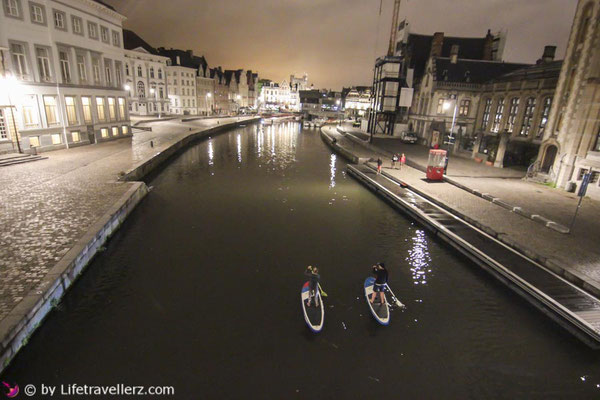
{"x": 182, "y": 89}
{"x": 282, "y": 96}
{"x": 145, "y": 77}
{"x": 358, "y": 101}
{"x": 205, "y": 92}
{"x": 67, "y": 60}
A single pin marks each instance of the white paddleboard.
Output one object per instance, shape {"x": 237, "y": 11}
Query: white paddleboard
{"x": 314, "y": 316}
{"x": 381, "y": 312}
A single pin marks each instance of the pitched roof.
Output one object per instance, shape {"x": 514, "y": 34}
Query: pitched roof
{"x": 419, "y": 48}
{"x": 544, "y": 70}
{"x": 472, "y": 71}
{"x": 132, "y": 40}
{"x": 186, "y": 58}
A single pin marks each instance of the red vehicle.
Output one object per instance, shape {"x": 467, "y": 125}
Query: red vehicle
{"x": 436, "y": 164}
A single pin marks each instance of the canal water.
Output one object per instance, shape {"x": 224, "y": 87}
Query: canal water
{"x": 200, "y": 290}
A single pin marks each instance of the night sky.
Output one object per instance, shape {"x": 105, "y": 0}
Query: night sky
{"x": 335, "y": 41}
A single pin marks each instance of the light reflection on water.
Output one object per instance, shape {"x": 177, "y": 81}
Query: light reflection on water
{"x": 211, "y": 153}
{"x": 332, "y": 170}
{"x": 239, "y": 148}
{"x": 419, "y": 258}
{"x": 279, "y": 151}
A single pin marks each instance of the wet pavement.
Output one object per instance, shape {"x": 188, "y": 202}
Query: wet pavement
{"x": 200, "y": 289}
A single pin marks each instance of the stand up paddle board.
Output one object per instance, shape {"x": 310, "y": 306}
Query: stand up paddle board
{"x": 381, "y": 312}
{"x": 313, "y": 315}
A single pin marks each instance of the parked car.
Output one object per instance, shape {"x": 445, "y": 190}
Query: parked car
{"x": 408, "y": 137}
{"x": 356, "y": 124}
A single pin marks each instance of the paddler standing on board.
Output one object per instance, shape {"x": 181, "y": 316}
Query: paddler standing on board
{"x": 381, "y": 278}
{"x": 313, "y": 284}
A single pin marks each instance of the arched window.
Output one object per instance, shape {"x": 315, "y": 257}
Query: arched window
{"x": 151, "y": 72}
{"x": 486, "y": 114}
{"x": 159, "y": 73}
{"x": 139, "y": 70}
{"x": 528, "y": 116}
{"x": 544, "y": 117}
{"x": 141, "y": 90}
{"x": 512, "y": 113}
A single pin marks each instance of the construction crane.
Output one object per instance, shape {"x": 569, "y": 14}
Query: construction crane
{"x": 394, "y": 32}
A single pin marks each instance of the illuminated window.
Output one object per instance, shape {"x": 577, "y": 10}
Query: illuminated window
{"x": 71, "y": 111}
{"x": 544, "y": 117}
{"x": 122, "y": 108}
{"x": 528, "y": 117}
{"x": 76, "y": 136}
{"x": 115, "y": 131}
{"x": 104, "y": 132}
{"x": 100, "y": 108}
{"x": 440, "y": 106}
{"x": 125, "y": 129}
{"x": 512, "y": 113}
{"x": 486, "y": 114}
{"x": 87, "y": 109}
{"x": 465, "y": 106}
{"x": 51, "y": 110}
{"x": 56, "y": 139}
{"x": 3, "y": 128}
{"x": 34, "y": 141}
{"x": 112, "y": 110}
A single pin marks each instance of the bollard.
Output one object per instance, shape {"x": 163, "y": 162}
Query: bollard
{"x": 151, "y": 143}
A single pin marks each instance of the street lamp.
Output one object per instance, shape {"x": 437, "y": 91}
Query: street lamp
{"x": 446, "y": 106}
{"x": 10, "y": 84}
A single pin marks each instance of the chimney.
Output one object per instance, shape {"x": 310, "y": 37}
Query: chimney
{"x": 178, "y": 60}
{"x": 454, "y": 53}
{"x": 436, "y": 44}
{"x": 488, "y": 46}
{"x": 549, "y": 52}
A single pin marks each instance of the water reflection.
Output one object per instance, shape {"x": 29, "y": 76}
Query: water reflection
{"x": 211, "y": 153}
{"x": 419, "y": 258}
{"x": 276, "y": 144}
{"x": 332, "y": 171}
{"x": 239, "y": 148}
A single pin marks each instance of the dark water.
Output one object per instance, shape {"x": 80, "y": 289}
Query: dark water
{"x": 200, "y": 290}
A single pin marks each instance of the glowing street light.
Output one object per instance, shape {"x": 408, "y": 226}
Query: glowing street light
{"x": 9, "y": 84}
{"x": 127, "y": 87}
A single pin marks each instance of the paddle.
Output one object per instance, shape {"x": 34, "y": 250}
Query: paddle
{"x": 322, "y": 291}
{"x": 398, "y": 302}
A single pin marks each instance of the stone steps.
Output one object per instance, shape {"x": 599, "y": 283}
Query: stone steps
{"x": 19, "y": 159}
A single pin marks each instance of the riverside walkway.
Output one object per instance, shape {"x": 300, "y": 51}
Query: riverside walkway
{"x": 574, "y": 256}
{"x": 55, "y": 214}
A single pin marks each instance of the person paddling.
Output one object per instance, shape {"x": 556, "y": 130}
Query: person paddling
{"x": 381, "y": 278}
{"x": 313, "y": 284}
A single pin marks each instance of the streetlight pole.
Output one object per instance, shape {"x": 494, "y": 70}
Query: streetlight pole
{"x": 451, "y": 135}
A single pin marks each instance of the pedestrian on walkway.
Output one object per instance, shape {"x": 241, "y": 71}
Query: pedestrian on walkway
{"x": 394, "y": 160}
{"x": 402, "y": 161}
{"x": 379, "y": 164}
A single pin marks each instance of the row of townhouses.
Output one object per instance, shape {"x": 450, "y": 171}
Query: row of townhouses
{"x": 463, "y": 97}
{"x": 284, "y": 96}
{"x": 71, "y": 75}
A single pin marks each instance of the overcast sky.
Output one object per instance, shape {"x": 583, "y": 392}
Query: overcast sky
{"x": 335, "y": 41}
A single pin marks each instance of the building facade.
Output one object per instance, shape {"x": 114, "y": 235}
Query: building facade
{"x": 571, "y": 144}
{"x": 66, "y": 60}
{"x": 145, "y": 77}
{"x": 205, "y": 89}
{"x": 513, "y": 113}
{"x": 356, "y": 101}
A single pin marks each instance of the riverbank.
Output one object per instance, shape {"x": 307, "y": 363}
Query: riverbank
{"x": 57, "y": 213}
{"x": 574, "y": 256}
